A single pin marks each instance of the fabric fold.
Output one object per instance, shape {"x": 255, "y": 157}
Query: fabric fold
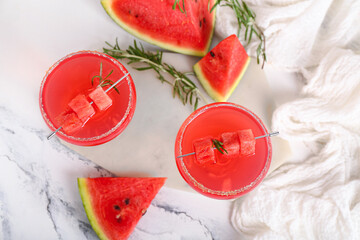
{"x": 318, "y": 197}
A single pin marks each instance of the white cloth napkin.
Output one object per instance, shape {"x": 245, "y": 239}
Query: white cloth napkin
{"x": 318, "y": 197}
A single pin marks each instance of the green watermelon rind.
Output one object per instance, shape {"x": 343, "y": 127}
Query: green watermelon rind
{"x": 86, "y": 199}
{"x": 212, "y": 91}
{"x": 188, "y": 51}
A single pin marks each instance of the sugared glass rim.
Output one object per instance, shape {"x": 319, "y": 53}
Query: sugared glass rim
{"x": 112, "y": 130}
{"x": 192, "y": 181}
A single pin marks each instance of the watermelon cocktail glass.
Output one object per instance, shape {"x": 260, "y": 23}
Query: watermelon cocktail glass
{"x": 72, "y": 75}
{"x": 224, "y": 179}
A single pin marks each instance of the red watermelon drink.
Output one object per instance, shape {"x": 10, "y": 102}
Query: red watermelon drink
{"x": 223, "y": 177}
{"x": 72, "y": 98}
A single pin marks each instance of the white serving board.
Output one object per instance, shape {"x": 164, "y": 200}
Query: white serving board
{"x": 146, "y": 147}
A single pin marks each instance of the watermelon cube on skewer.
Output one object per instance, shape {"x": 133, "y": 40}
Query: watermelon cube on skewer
{"x": 204, "y": 150}
{"x": 81, "y": 106}
{"x": 231, "y": 144}
{"x": 247, "y": 142}
{"x": 100, "y": 98}
{"x": 71, "y": 123}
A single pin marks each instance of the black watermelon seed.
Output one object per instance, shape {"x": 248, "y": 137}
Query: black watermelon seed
{"x": 116, "y": 207}
{"x": 212, "y": 53}
{"x": 143, "y": 212}
{"x": 129, "y": 11}
{"x": 200, "y": 23}
{"x": 204, "y": 20}
{"x": 127, "y": 201}
{"x": 136, "y": 16}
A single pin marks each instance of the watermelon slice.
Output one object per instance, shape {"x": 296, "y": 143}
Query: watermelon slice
{"x": 100, "y": 98}
{"x": 247, "y": 142}
{"x": 231, "y": 144}
{"x": 222, "y": 68}
{"x": 81, "y": 106}
{"x": 115, "y": 205}
{"x": 156, "y": 22}
{"x": 204, "y": 150}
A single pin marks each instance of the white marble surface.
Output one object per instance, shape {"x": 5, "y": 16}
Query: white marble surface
{"x": 38, "y": 189}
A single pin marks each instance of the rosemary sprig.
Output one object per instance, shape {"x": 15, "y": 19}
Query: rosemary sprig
{"x": 104, "y": 81}
{"x": 183, "y": 87}
{"x": 246, "y": 18}
{"x": 219, "y": 146}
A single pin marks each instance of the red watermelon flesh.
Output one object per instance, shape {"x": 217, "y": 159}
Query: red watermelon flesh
{"x": 115, "y": 205}
{"x": 204, "y": 150}
{"x": 100, "y": 98}
{"x": 81, "y": 106}
{"x": 156, "y": 22}
{"x": 247, "y": 142}
{"x": 71, "y": 123}
{"x": 222, "y": 68}
{"x": 231, "y": 144}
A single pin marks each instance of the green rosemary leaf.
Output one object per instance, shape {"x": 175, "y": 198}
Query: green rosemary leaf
{"x": 196, "y": 103}
{"x": 143, "y": 68}
{"x": 246, "y": 32}
{"x": 108, "y": 44}
{"x": 187, "y": 96}
{"x": 109, "y": 74}
{"x": 106, "y": 82}
{"x": 117, "y": 90}
{"x": 174, "y": 5}
{"x": 219, "y": 146}
{"x": 100, "y": 69}
{"x": 251, "y": 33}
{"x": 92, "y": 79}
{"x": 215, "y": 5}
{"x": 246, "y": 8}
{"x": 174, "y": 90}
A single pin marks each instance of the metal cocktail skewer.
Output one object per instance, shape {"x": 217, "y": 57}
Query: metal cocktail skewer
{"x": 54, "y": 132}
{"x": 267, "y": 135}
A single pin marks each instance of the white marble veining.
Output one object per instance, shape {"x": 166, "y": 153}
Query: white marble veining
{"x": 39, "y": 196}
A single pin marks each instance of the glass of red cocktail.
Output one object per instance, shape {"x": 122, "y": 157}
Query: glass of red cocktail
{"x": 230, "y": 178}
{"x": 73, "y": 75}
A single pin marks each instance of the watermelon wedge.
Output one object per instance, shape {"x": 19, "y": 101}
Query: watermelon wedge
{"x": 156, "y": 22}
{"x": 115, "y": 205}
{"x": 221, "y": 70}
